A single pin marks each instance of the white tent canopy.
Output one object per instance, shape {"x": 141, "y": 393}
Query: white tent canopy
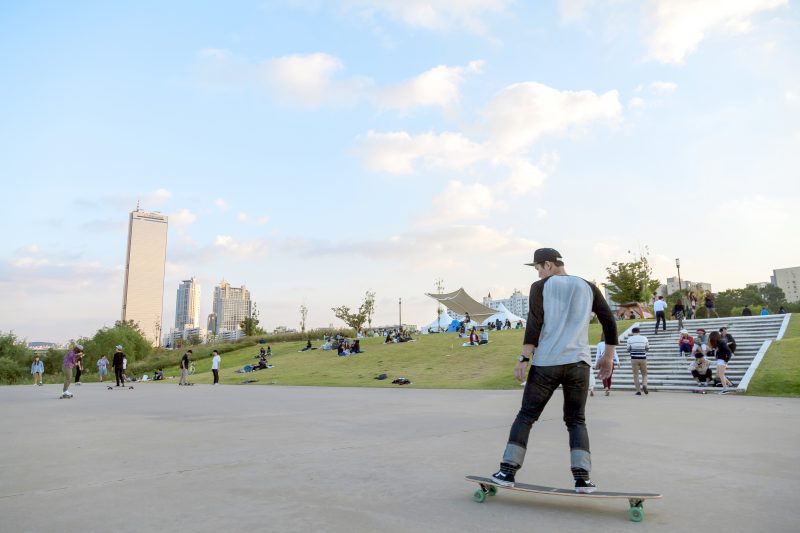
{"x": 503, "y": 313}
{"x": 461, "y": 303}
{"x": 442, "y": 322}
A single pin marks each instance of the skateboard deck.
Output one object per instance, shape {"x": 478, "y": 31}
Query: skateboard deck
{"x": 487, "y": 487}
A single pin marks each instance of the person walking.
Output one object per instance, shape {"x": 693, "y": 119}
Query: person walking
{"x": 37, "y": 370}
{"x": 637, "y": 349}
{"x": 678, "y": 312}
{"x": 215, "y": 360}
{"x": 555, "y": 351}
{"x": 692, "y": 305}
{"x": 102, "y": 368}
{"x": 660, "y": 306}
{"x": 600, "y": 351}
{"x": 721, "y": 354}
{"x": 117, "y": 362}
{"x": 185, "y": 369}
{"x": 67, "y": 367}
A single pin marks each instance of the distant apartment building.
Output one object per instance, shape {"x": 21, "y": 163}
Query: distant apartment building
{"x": 672, "y": 286}
{"x": 517, "y": 303}
{"x": 231, "y": 306}
{"x": 143, "y": 293}
{"x": 758, "y": 285}
{"x": 788, "y": 279}
{"x": 187, "y": 305}
{"x": 185, "y": 337}
{"x": 211, "y": 323}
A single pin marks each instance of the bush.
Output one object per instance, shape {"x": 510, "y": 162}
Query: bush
{"x": 10, "y": 371}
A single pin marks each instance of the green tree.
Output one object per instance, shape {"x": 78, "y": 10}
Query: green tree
{"x": 773, "y": 297}
{"x": 631, "y": 282}
{"x": 368, "y": 307}
{"x": 124, "y": 333}
{"x": 250, "y": 324}
{"x": 303, "y": 317}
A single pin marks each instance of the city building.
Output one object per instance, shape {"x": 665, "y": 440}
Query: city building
{"x": 184, "y": 337}
{"x": 187, "y": 305}
{"x": 231, "y": 306}
{"x": 672, "y": 286}
{"x": 211, "y": 323}
{"x": 788, "y": 279}
{"x": 517, "y": 303}
{"x": 758, "y": 285}
{"x": 143, "y": 293}
{"x": 228, "y": 336}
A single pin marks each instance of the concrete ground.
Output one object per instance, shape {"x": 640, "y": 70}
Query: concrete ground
{"x": 269, "y": 458}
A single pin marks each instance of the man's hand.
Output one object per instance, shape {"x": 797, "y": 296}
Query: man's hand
{"x": 606, "y": 363}
{"x": 520, "y": 370}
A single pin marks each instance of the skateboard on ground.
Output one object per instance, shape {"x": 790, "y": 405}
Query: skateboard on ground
{"x": 122, "y": 387}
{"x": 487, "y": 487}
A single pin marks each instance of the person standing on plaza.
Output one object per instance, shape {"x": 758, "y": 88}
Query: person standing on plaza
{"x": 185, "y": 369}
{"x": 556, "y": 344}
{"x": 660, "y": 307}
{"x": 37, "y": 370}
{"x": 102, "y": 368}
{"x": 747, "y": 311}
{"x": 124, "y": 368}
{"x": 215, "y": 360}
{"x": 78, "y": 360}
{"x": 117, "y": 362}
{"x": 637, "y": 349}
{"x": 692, "y": 305}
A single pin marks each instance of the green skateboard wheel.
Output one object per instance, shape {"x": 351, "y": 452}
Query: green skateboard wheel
{"x": 635, "y": 514}
{"x": 479, "y": 496}
{"x": 492, "y": 491}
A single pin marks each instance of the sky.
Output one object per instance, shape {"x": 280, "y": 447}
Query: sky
{"x": 315, "y": 150}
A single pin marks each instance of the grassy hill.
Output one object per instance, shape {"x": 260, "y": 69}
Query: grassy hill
{"x": 779, "y": 371}
{"x": 433, "y": 361}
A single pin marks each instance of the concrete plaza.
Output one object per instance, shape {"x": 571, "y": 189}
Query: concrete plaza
{"x": 271, "y": 458}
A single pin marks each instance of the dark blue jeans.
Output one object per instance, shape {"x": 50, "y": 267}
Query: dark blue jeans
{"x": 542, "y": 382}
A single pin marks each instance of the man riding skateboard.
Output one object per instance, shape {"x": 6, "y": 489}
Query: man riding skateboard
{"x": 556, "y": 345}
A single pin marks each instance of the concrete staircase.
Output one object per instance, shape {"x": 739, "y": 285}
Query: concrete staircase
{"x": 667, "y": 370}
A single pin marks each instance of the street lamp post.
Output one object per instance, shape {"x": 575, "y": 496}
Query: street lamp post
{"x": 680, "y": 285}
{"x": 400, "y": 307}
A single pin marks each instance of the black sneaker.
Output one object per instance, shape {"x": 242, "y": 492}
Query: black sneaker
{"x": 584, "y": 486}
{"x": 644, "y": 388}
{"x": 504, "y": 476}
{"x": 638, "y": 394}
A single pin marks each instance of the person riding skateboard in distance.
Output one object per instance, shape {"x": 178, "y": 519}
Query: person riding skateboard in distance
{"x": 556, "y": 344}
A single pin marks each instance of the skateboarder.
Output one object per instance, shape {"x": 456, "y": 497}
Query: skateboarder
{"x": 557, "y": 341}
{"x": 185, "y": 368}
{"x": 67, "y": 365}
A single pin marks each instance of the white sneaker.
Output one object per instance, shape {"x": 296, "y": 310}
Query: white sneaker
{"x": 523, "y": 383}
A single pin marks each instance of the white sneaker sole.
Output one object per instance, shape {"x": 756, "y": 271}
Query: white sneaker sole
{"x": 502, "y": 483}
{"x": 585, "y": 490}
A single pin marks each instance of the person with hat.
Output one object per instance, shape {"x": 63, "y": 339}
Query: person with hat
{"x": 555, "y": 352}
{"x": 685, "y": 343}
{"x": 701, "y": 341}
{"x": 637, "y": 349}
{"x": 118, "y": 363}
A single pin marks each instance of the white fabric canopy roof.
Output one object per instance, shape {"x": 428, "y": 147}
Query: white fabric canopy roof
{"x": 461, "y": 303}
{"x": 503, "y": 313}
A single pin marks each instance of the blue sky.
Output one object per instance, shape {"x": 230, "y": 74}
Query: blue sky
{"x": 313, "y": 150}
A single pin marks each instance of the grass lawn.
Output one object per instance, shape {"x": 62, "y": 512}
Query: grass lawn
{"x": 779, "y": 371}
{"x": 433, "y": 361}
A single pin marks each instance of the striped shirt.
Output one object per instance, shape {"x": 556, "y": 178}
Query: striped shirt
{"x": 638, "y": 346}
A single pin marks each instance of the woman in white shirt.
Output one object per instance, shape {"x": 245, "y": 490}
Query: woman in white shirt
{"x": 601, "y": 349}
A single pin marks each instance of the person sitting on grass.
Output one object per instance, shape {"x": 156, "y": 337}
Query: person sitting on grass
{"x": 701, "y": 370}
{"x": 685, "y": 343}
{"x": 484, "y": 337}
{"x": 341, "y": 350}
{"x": 158, "y": 375}
{"x": 389, "y": 338}
{"x": 308, "y": 346}
{"x": 356, "y": 348}
{"x": 473, "y": 337}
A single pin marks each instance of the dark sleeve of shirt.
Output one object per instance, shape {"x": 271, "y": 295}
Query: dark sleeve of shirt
{"x": 605, "y": 316}
{"x": 533, "y": 328}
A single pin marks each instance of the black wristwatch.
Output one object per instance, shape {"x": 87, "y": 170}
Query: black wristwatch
{"x": 523, "y": 359}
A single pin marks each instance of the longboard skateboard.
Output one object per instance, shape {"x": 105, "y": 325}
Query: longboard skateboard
{"x": 487, "y": 487}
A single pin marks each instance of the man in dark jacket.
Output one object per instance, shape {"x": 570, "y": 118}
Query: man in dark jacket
{"x": 185, "y": 369}
{"x": 746, "y": 311}
{"x": 727, "y": 338}
{"x": 117, "y": 363}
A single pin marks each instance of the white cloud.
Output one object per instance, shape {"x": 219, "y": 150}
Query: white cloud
{"x": 157, "y": 197}
{"x": 636, "y": 103}
{"x": 221, "y": 203}
{"x": 437, "y": 87}
{"x": 239, "y": 249}
{"x": 522, "y": 113}
{"x": 574, "y": 10}
{"x": 247, "y": 219}
{"x": 524, "y": 177}
{"x": 433, "y": 14}
{"x": 399, "y": 152}
{"x": 680, "y": 25}
{"x": 184, "y": 217}
{"x": 664, "y": 86}
{"x": 242, "y": 217}
{"x": 29, "y": 262}
{"x": 459, "y": 201}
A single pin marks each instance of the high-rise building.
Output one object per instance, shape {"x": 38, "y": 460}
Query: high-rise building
{"x": 187, "y": 305}
{"x": 211, "y": 323}
{"x": 143, "y": 294}
{"x": 788, "y": 279}
{"x": 231, "y": 305}
{"x": 517, "y": 303}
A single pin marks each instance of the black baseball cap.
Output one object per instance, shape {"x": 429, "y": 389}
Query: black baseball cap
{"x": 545, "y": 254}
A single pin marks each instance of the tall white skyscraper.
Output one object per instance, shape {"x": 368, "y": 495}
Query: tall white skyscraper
{"x": 187, "y": 305}
{"x": 231, "y": 306}
{"x": 143, "y": 295}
